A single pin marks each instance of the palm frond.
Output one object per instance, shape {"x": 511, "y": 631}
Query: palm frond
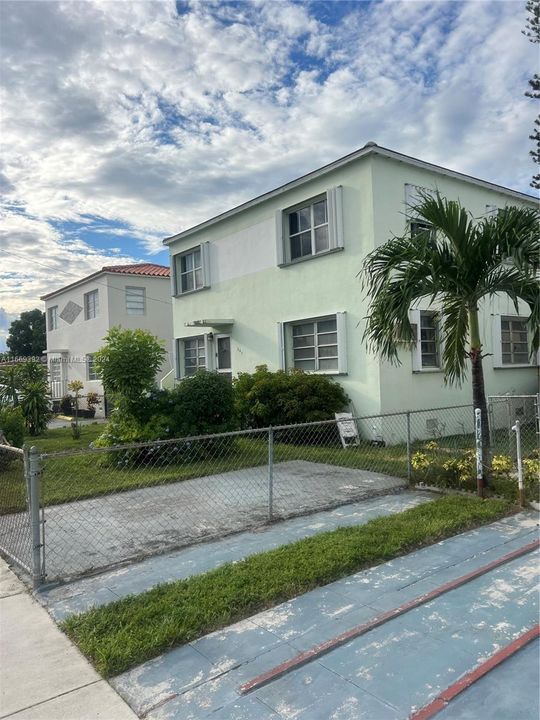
{"x": 455, "y": 334}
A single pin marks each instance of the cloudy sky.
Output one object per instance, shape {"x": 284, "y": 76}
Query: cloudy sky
{"x": 125, "y": 122}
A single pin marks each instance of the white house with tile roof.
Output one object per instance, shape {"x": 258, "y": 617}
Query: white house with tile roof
{"x": 79, "y": 316}
{"x": 275, "y": 281}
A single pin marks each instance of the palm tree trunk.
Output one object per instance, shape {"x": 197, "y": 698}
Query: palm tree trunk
{"x": 478, "y": 388}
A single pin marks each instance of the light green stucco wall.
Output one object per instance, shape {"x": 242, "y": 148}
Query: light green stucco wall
{"x": 257, "y": 294}
{"x": 427, "y": 389}
{"x": 258, "y": 301}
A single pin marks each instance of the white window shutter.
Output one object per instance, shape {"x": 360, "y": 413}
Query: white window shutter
{"x": 208, "y": 353}
{"x": 179, "y": 358}
{"x": 173, "y": 275}
{"x": 341, "y": 324}
{"x": 496, "y": 340}
{"x": 205, "y": 260}
{"x": 334, "y": 202}
{"x": 281, "y": 346}
{"x": 280, "y": 247}
{"x": 416, "y": 350}
{"x": 440, "y": 338}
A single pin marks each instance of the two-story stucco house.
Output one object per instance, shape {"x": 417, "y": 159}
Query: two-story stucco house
{"x": 79, "y": 316}
{"x": 274, "y": 281}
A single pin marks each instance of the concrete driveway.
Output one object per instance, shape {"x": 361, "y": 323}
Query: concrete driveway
{"x": 101, "y": 532}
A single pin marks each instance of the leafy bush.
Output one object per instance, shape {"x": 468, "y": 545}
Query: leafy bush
{"x": 199, "y": 405}
{"x": 31, "y": 372}
{"x": 128, "y": 364}
{"x": 35, "y": 406}
{"x": 12, "y": 425}
{"x": 266, "y": 398}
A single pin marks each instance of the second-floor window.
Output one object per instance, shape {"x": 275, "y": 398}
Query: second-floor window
{"x": 91, "y": 305}
{"x": 135, "y": 300}
{"x": 189, "y": 271}
{"x": 311, "y": 228}
{"x": 418, "y": 227}
{"x": 308, "y": 229}
{"x": 52, "y": 318}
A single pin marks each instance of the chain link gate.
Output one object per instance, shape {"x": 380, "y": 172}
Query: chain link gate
{"x": 21, "y": 519}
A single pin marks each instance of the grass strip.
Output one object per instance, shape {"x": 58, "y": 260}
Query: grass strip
{"x": 118, "y": 636}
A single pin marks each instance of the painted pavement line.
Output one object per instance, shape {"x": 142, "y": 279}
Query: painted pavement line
{"x": 452, "y": 691}
{"x": 323, "y": 648}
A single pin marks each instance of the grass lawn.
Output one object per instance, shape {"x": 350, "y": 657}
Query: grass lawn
{"x": 76, "y": 477}
{"x": 125, "y": 633}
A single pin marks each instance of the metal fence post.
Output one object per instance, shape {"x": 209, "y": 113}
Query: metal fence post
{"x": 517, "y": 429}
{"x": 34, "y": 497}
{"x": 409, "y": 466}
{"x": 270, "y": 473}
{"x": 478, "y": 437}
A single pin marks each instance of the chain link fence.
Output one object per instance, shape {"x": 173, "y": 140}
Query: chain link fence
{"x": 103, "y": 507}
{"x": 15, "y": 521}
{"x": 503, "y": 412}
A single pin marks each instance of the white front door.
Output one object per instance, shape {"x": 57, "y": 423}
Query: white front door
{"x": 223, "y": 355}
{"x": 57, "y": 378}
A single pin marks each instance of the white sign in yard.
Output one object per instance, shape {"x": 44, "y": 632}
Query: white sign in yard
{"x": 348, "y": 430}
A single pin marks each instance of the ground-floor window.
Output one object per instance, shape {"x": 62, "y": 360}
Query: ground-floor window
{"x": 191, "y": 355}
{"x": 315, "y": 344}
{"x": 91, "y": 373}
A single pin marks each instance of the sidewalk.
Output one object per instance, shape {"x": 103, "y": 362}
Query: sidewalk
{"x": 42, "y": 675}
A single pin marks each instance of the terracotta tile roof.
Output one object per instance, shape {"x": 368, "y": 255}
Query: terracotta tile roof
{"x": 141, "y": 269}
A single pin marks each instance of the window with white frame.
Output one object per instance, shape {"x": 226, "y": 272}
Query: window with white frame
{"x": 52, "y": 317}
{"x": 191, "y": 270}
{"x": 314, "y": 344}
{"x": 91, "y": 373}
{"x": 427, "y": 348}
{"x": 414, "y": 195}
{"x": 308, "y": 229}
{"x": 192, "y": 355}
{"x": 135, "y": 300}
{"x": 311, "y": 228}
{"x": 429, "y": 340}
{"x": 514, "y": 341}
{"x": 417, "y": 227}
{"x": 91, "y": 304}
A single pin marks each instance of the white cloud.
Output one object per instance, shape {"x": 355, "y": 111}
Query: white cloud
{"x": 131, "y": 113}
{"x": 41, "y": 260}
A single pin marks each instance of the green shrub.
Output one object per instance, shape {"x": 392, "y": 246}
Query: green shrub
{"x": 128, "y": 363}
{"x": 199, "y": 405}
{"x": 12, "y": 425}
{"x": 266, "y": 398}
{"x": 35, "y": 406}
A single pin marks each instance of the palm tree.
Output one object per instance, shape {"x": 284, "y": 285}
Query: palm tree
{"x": 456, "y": 263}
